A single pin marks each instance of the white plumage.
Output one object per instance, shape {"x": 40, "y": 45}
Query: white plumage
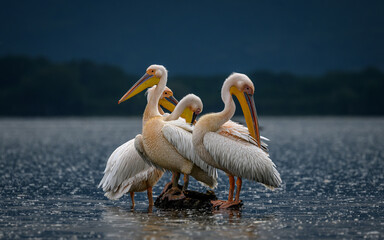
{"x": 230, "y": 147}
{"x": 242, "y": 158}
{"x": 179, "y": 134}
{"x": 238, "y": 131}
{"x": 127, "y": 172}
{"x": 152, "y": 142}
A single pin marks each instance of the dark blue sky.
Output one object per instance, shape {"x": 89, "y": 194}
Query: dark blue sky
{"x": 199, "y": 37}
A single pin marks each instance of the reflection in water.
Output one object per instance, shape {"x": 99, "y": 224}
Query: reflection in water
{"x": 232, "y": 214}
{"x": 179, "y": 224}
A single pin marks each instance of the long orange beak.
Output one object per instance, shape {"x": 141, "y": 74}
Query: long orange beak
{"x": 249, "y": 111}
{"x": 143, "y": 83}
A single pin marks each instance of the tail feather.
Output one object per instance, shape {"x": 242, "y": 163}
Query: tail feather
{"x": 274, "y": 181}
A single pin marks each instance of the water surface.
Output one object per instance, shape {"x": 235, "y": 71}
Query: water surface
{"x": 332, "y": 172}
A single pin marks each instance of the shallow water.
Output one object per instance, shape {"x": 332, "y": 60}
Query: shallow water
{"x": 332, "y": 171}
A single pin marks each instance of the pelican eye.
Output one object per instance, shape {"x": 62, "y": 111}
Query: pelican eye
{"x": 151, "y": 72}
{"x": 248, "y": 89}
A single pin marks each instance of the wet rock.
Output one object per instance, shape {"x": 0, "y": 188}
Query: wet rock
{"x": 192, "y": 200}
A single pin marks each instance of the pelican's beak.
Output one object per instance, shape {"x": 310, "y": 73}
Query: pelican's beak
{"x": 194, "y": 116}
{"x": 144, "y": 82}
{"x": 188, "y": 115}
{"x": 249, "y": 110}
{"x": 168, "y": 103}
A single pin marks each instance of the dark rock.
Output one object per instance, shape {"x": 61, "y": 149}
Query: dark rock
{"x": 192, "y": 200}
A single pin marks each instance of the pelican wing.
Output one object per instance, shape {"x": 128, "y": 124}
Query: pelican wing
{"x": 236, "y": 130}
{"x": 242, "y": 158}
{"x": 135, "y": 183}
{"x": 179, "y": 134}
{"x": 122, "y": 166}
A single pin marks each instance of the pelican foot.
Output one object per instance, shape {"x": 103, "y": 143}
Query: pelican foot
{"x": 174, "y": 194}
{"x": 217, "y": 203}
{"x": 231, "y": 204}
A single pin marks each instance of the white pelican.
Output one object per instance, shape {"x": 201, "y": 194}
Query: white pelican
{"x": 237, "y": 154}
{"x": 126, "y": 171}
{"x": 153, "y": 145}
{"x": 175, "y": 132}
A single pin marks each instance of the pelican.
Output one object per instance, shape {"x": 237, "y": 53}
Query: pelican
{"x": 153, "y": 144}
{"x": 126, "y": 171}
{"x": 238, "y": 153}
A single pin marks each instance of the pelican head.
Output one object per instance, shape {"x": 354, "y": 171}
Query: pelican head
{"x": 156, "y": 70}
{"x": 195, "y": 105}
{"x": 151, "y": 77}
{"x": 242, "y": 87}
{"x": 167, "y": 100}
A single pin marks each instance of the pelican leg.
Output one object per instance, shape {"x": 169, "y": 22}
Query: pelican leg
{"x": 239, "y": 182}
{"x": 175, "y": 179}
{"x": 150, "y": 208}
{"x": 169, "y": 185}
{"x": 231, "y": 187}
{"x": 186, "y": 182}
{"x": 237, "y": 202}
{"x": 132, "y": 198}
{"x": 175, "y": 192}
{"x": 218, "y": 203}
{"x": 150, "y": 198}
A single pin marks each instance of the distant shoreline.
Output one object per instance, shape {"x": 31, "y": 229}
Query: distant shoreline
{"x": 40, "y": 87}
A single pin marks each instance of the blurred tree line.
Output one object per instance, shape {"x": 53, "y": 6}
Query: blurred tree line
{"x": 39, "y": 87}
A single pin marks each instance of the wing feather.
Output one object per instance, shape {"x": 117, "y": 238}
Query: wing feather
{"x": 242, "y": 158}
{"x": 236, "y": 130}
{"x": 122, "y": 167}
{"x": 136, "y": 183}
{"x": 180, "y": 136}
